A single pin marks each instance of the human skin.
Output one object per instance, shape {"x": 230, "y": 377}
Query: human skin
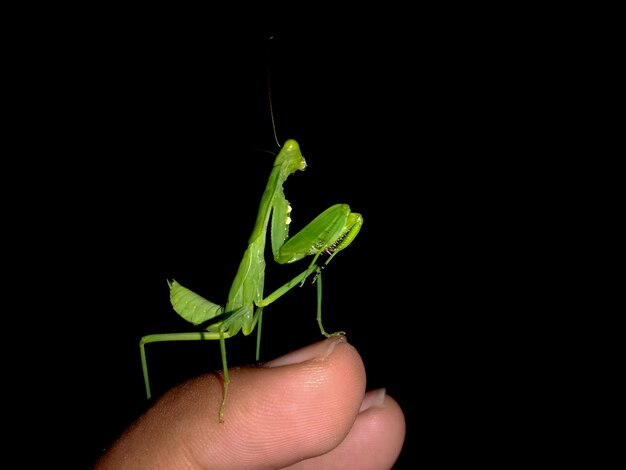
{"x": 308, "y": 409}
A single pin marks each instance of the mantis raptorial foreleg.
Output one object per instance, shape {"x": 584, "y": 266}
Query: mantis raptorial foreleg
{"x": 329, "y": 233}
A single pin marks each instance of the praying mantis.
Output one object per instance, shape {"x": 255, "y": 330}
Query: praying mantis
{"x": 329, "y": 233}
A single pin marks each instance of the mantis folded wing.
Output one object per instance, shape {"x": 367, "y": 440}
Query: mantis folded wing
{"x": 330, "y": 232}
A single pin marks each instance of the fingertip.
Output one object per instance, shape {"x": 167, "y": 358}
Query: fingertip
{"x": 318, "y": 350}
{"x": 382, "y": 416}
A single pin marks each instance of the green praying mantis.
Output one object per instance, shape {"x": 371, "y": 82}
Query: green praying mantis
{"x": 330, "y": 232}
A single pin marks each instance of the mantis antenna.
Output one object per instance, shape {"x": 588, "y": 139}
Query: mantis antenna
{"x": 269, "y": 97}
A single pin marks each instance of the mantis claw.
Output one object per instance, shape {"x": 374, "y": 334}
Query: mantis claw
{"x": 336, "y": 333}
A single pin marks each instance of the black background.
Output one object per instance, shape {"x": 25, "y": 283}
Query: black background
{"x": 160, "y": 137}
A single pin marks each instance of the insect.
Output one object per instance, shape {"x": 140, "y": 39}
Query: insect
{"x": 329, "y": 233}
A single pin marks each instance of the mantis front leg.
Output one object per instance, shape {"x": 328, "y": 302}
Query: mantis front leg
{"x": 330, "y": 232}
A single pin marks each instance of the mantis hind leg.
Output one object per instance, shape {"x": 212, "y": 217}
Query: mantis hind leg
{"x": 191, "y": 336}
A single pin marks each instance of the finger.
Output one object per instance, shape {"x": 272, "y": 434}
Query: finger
{"x": 373, "y": 443}
{"x": 295, "y": 408}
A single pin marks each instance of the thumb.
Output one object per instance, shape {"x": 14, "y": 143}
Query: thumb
{"x": 293, "y": 408}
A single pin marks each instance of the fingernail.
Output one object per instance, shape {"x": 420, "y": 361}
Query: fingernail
{"x": 317, "y": 350}
{"x": 373, "y": 398}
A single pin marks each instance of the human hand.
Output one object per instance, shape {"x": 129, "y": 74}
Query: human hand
{"x": 307, "y": 409}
